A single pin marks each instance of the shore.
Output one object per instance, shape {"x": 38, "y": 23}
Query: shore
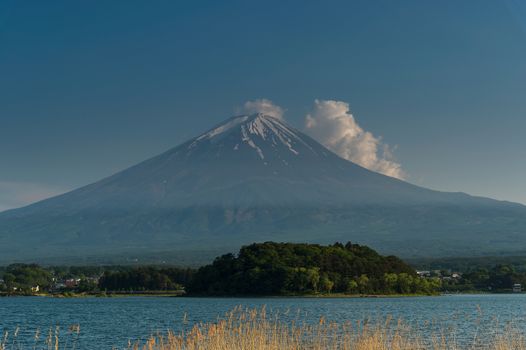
{"x": 100, "y": 294}
{"x": 181, "y": 294}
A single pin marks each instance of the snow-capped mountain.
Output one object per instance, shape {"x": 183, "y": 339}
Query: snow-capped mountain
{"x": 254, "y": 178}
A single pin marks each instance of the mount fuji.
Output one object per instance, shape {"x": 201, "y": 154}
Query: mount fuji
{"x": 255, "y": 178}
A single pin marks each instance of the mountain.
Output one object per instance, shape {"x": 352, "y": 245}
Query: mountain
{"x": 255, "y": 178}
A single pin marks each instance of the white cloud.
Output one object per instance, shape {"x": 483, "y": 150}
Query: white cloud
{"x": 264, "y": 106}
{"x": 332, "y": 124}
{"x": 19, "y": 194}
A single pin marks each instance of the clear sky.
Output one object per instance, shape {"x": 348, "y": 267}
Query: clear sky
{"x": 89, "y": 88}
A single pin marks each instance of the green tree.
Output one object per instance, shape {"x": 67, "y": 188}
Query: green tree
{"x": 363, "y": 284}
{"x": 9, "y": 280}
{"x": 405, "y": 283}
{"x": 390, "y": 281}
{"x": 352, "y": 287}
{"x": 326, "y": 284}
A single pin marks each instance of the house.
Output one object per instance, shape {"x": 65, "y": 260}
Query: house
{"x": 517, "y": 288}
{"x": 59, "y": 285}
{"x": 423, "y": 273}
{"x": 35, "y": 289}
{"x": 72, "y": 282}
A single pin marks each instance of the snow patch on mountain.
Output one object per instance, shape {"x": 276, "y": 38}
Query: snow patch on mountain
{"x": 220, "y": 129}
{"x": 257, "y": 131}
{"x": 246, "y": 139}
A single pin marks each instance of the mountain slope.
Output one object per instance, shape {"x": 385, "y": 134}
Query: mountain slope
{"x": 254, "y": 178}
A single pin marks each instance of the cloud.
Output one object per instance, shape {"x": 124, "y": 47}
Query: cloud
{"x": 332, "y": 124}
{"x": 264, "y": 106}
{"x": 19, "y": 194}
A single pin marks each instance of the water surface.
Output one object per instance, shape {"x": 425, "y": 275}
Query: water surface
{"x": 107, "y": 322}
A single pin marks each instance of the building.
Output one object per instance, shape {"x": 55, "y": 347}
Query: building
{"x": 424, "y": 273}
{"x": 517, "y": 288}
{"x": 72, "y": 282}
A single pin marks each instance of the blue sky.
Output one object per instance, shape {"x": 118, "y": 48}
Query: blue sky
{"x": 89, "y": 88}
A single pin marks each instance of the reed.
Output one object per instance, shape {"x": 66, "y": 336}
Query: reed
{"x": 254, "y": 329}
{"x": 50, "y": 340}
{"x": 257, "y": 329}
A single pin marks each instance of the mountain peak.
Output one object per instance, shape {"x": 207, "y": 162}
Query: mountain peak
{"x": 258, "y": 124}
{"x": 263, "y": 135}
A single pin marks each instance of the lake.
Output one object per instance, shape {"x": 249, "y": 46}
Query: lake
{"x": 107, "y": 322}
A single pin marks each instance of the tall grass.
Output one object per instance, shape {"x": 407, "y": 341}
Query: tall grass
{"x": 53, "y": 339}
{"x": 255, "y": 330}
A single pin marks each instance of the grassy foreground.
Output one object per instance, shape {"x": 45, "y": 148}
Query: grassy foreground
{"x": 254, "y": 329}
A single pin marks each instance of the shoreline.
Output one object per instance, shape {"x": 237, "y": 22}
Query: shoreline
{"x": 181, "y": 295}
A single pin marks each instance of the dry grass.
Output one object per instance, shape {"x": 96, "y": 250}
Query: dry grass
{"x": 53, "y": 339}
{"x": 255, "y": 330}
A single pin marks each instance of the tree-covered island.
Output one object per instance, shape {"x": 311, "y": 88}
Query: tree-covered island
{"x": 308, "y": 269}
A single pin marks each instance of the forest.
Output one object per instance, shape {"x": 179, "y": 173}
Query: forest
{"x": 146, "y": 278}
{"x": 498, "y": 279}
{"x": 258, "y": 269}
{"x": 299, "y": 269}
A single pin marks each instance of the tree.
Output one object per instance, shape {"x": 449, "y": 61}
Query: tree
{"x": 9, "y": 280}
{"x": 390, "y": 280}
{"x": 405, "y": 283}
{"x": 352, "y": 287}
{"x": 326, "y": 284}
{"x": 363, "y": 284}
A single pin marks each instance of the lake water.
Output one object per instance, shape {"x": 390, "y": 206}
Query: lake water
{"x": 107, "y": 322}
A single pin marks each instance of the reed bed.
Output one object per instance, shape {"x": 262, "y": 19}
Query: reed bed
{"x": 253, "y": 329}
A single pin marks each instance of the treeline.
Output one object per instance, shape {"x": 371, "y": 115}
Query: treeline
{"x": 22, "y": 279}
{"x": 460, "y": 264}
{"x": 146, "y": 278}
{"x": 287, "y": 268}
{"x": 484, "y": 274}
{"x": 499, "y": 278}
{"x": 258, "y": 269}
